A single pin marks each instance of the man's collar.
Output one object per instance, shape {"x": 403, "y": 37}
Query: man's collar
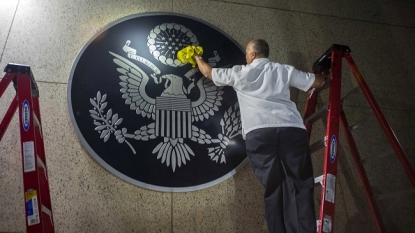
{"x": 259, "y": 60}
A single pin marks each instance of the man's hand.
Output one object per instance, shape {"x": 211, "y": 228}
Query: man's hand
{"x": 320, "y": 79}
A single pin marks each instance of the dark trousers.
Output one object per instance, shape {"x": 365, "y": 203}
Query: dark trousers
{"x": 280, "y": 159}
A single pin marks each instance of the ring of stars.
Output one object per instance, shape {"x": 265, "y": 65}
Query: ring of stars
{"x": 166, "y": 39}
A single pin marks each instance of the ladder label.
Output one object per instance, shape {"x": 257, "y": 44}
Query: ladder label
{"x": 26, "y": 115}
{"x": 330, "y": 188}
{"x": 327, "y": 223}
{"x": 32, "y": 210}
{"x": 29, "y": 156}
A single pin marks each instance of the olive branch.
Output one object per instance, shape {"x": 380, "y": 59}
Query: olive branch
{"x": 107, "y": 123}
{"x": 231, "y": 127}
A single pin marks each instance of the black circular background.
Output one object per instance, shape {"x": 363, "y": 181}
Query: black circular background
{"x": 94, "y": 70}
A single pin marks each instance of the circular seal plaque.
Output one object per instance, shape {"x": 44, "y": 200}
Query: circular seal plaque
{"x": 149, "y": 118}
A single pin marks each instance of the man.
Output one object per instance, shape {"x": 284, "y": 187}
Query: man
{"x": 276, "y": 139}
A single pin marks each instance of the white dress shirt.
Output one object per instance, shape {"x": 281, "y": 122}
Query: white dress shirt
{"x": 263, "y": 92}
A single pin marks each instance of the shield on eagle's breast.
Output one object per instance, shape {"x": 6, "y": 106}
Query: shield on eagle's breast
{"x": 149, "y": 118}
{"x": 173, "y": 117}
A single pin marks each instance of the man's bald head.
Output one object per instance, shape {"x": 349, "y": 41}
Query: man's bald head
{"x": 260, "y": 47}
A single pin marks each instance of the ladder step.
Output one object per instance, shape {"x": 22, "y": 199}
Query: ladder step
{"x": 42, "y": 165}
{"x": 317, "y": 224}
{"x": 317, "y": 115}
{"x": 360, "y": 122}
{"x": 317, "y": 145}
{"x": 378, "y": 156}
{"x": 352, "y": 92}
{"x": 318, "y": 180}
{"x": 394, "y": 194}
{"x": 36, "y": 120}
{"x": 46, "y": 210}
{"x": 37, "y": 124}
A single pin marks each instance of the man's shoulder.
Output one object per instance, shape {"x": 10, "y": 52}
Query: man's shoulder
{"x": 268, "y": 64}
{"x": 238, "y": 68}
{"x": 282, "y": 65}
{"x": 231, "y": 70}
{"x": 267, "y": 61}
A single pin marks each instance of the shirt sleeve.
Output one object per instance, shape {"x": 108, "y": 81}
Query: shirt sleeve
{"x": 301, "y": 80}
{"x": 225, "y": 76}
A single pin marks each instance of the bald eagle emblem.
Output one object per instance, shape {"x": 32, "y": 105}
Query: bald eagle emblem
{"x": 172, "y": 112}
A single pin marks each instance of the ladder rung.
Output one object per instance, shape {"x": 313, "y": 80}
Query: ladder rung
{"x": 394, "y": 194}
{"x": 360, "y": 122}
{"x": 36, "y": 120}
{"x": 378, "y": 156}
{"x": 42, "y": 165}
{"x": 37, "y": 124}
{"x": 317, "y": 145}
{"x": 352, "y": 92}
{"x": 46, "y": 210}
{"x": 317, "y": 115}
{"x": 318, "y": 180}
{"x": 317, "y": 224}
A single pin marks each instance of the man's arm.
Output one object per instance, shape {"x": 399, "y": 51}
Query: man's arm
{"x": 204, "y": 67}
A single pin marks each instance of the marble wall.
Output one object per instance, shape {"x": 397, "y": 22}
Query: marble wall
{"x": 48, "y": 34}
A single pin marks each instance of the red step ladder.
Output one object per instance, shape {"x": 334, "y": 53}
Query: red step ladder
{"x": 35, "y": 180}
{"x": 331, "y": 61}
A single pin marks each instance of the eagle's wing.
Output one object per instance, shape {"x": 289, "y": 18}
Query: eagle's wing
{"x": 133, "y": 83}
{"x": 209, "y": 100}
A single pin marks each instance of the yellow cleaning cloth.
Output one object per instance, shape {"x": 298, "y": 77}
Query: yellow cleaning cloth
{"x": 186, "y": 54}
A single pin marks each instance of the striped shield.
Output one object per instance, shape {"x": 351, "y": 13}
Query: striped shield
{"x": 173, "y": 117}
